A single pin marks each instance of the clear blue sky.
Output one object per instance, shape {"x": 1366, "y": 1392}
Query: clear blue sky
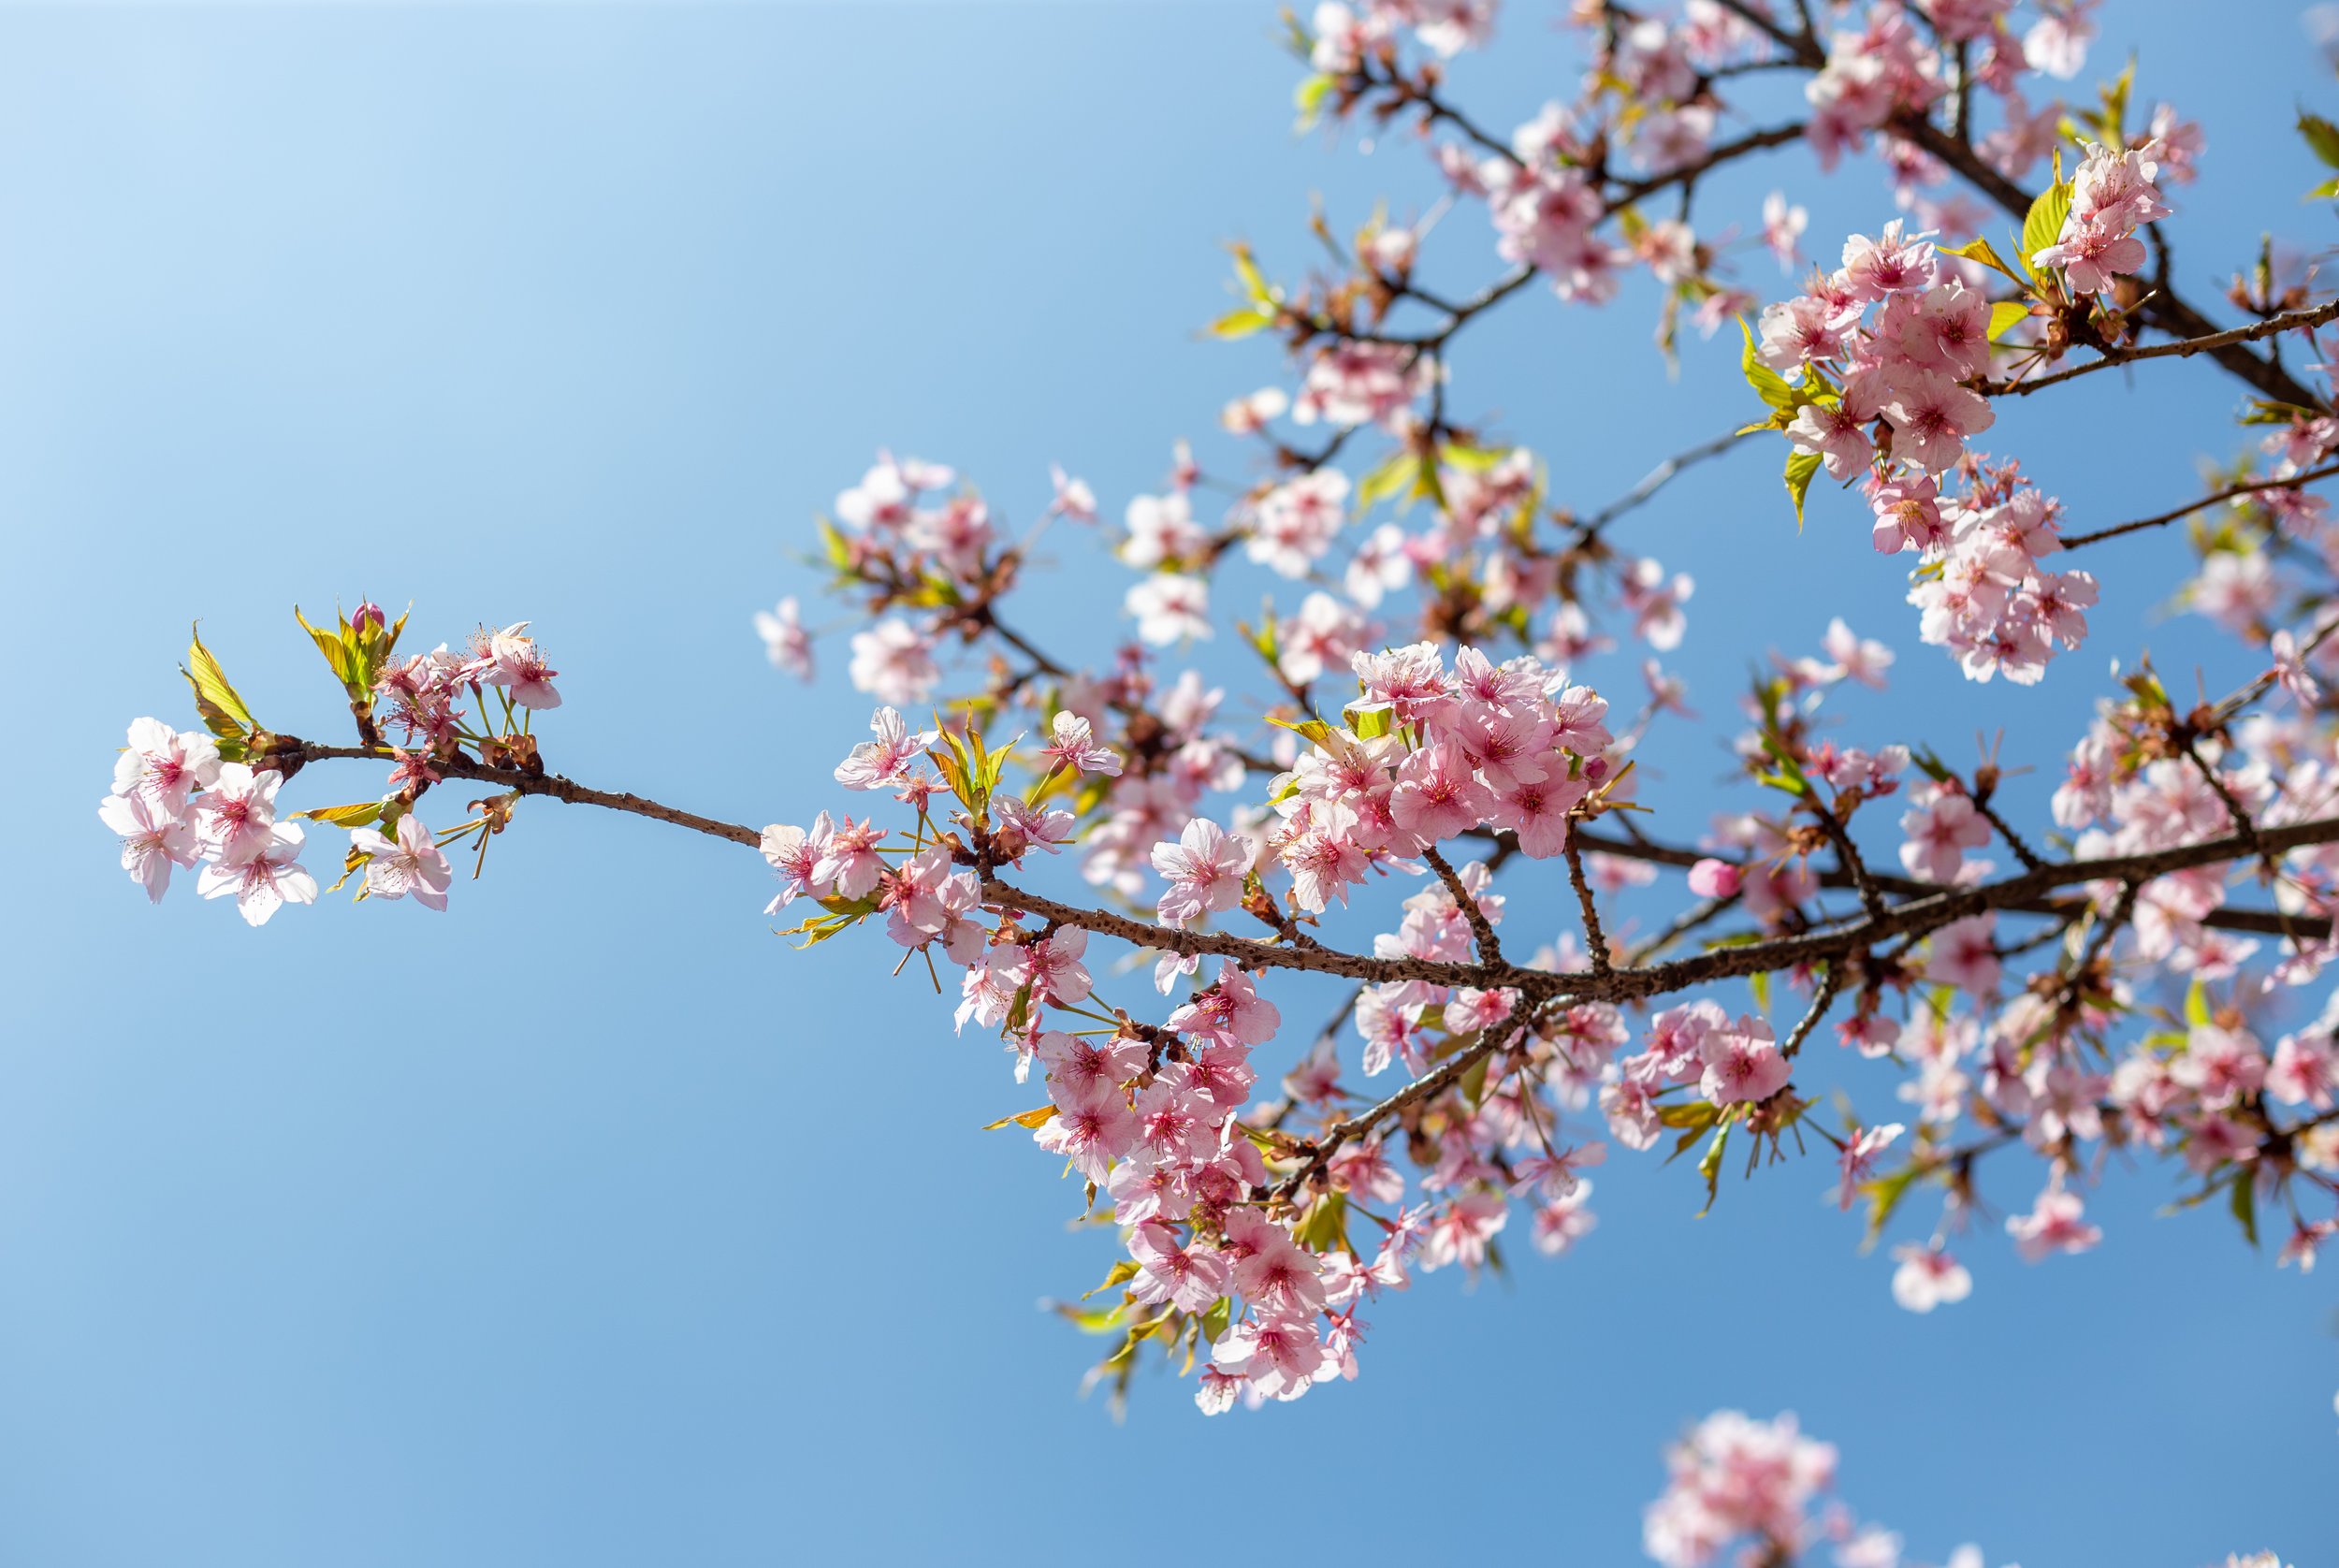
{"x": 588, "y": 1224}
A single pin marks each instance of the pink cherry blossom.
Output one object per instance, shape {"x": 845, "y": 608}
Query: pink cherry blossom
{"x": 235, "y": 817}
{"x": 1743, "y": 1064}
{"x": 266, "y": 879}
{"x": 1858, "y": 1158}
{"x": 152, "y": 838}
{"x": 166, "y": 766}
{"x": 1928, "y": 1277}
{"x": 1073, "y": 501}
{"x": 1205, "y": 869}
{"x": 1189, "y": 1278}
{"x": 796, "y": 854}
{"x": 2053, "y": 1225}
{"x": 875, "y": 764}
{"x": 785, "y": 641}
{"x": 514, "y": 663}
{"x": 412, "y": 862}
{"x": 1073, "y": 744}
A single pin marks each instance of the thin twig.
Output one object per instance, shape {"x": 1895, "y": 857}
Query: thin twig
{"x": 2182, "y": 348}
{"x": 1481, "y": 929}
{"x": 1595, "y": 940}
{"x": 2230, "y": 492}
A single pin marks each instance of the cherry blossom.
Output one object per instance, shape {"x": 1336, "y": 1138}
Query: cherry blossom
{"x": 152, "y": 838}
{"x": 1928, "y": 1277}
{"x": 410, "y": 863}
{"x": 266, "y": 879}
{"x": 785, "y": 641}
{"x": 875, "y": 764}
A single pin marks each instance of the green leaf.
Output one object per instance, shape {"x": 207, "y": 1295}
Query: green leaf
{"x": 2323, "y": 138}
{"x": 1215, "y": 1321}
{"x": 1472, "y": 459}
{"x": 364, "y": 814}
{"x": 1982, "y": 252}
{"x": 1120, "y": 1273}
{"x": 1032, "y": 1120}
{"x": 2246, "y": 1204}
{"x": 2323, "y": 192}
{"x": 838, "y": 547}
{"x": 2044, "y": 225}
{"x": 1930, "y": 765}
{"x": 1696, "y": 1115}
{"x": 333, "y": 645}
{"x": 1325, "y": 1226}
{"x": 1254, "y": 282}
{"x": 816, "y": 929}
{"x": 1474, "y": 1082}
{"x": 2115, "y": 115}
{"x": 223, "y": 711}
{"x": 1094, "y": 1320}
{"x": 2005, "y": 316}
{"x": 1789, "y": 775}
{"x": 1370, "y": 720}
{"x": 961, "y": 772}
{"x": 2265, "y": 410}
{"x": 1309, "y": 96}
{"x": 1801, "y": 467}
{"x": 1709, "y": 1166}
{"x": 1884, "y": 1195}
{"x": 1768, "y": 385}
{"x": 1312, "y": 730}
{"x": 1263, "y": 639}
{"x": 350, "y": 865}
{"x": 2197, "y": 1005}
{"x": 1397, "y": 476}
{"x": 1242, "y": 322}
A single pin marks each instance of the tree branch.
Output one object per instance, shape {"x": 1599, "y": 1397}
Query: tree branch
{"x": 2231, "y": 492}
{"x": 2182, "y": 348}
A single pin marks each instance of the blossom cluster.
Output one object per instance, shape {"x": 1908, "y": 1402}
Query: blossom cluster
{"x": 176, "y": 803}
{"x": 182, "y": 799}
{"x": 1884, "y": 400}
{"x": 1148, "y": 1115}
{"x": 1765, "y": 1489}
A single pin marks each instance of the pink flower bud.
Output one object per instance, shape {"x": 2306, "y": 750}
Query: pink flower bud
{"x": 369, "y": 617}
{"x": 1713, "y": 879}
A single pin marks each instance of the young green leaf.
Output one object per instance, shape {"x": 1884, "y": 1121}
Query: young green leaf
{"x": 2323, "y": 138}
{"x": 1242, "y": 322}
{"x": 2246, "y": 1204}
{"x": 1709, "y": 1166}
{"x": 1801, "y": 467}
{"x": 1982, "y": 252}
{"x": 1032, "y": 1121}
{"x": 223, "y": 711}
{"x": 2044, "y": 225}
{"x": 1768, "y": 385}
{"x": 2006, "y": 315}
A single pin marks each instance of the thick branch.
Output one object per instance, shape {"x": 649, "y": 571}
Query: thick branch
{"x": 2260, "y": 921}
{"x": 1927, "y": 907}
{"x": 1914, "y": 918}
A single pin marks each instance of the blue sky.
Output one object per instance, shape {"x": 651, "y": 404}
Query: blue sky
{"x": 588, "y": 1223}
